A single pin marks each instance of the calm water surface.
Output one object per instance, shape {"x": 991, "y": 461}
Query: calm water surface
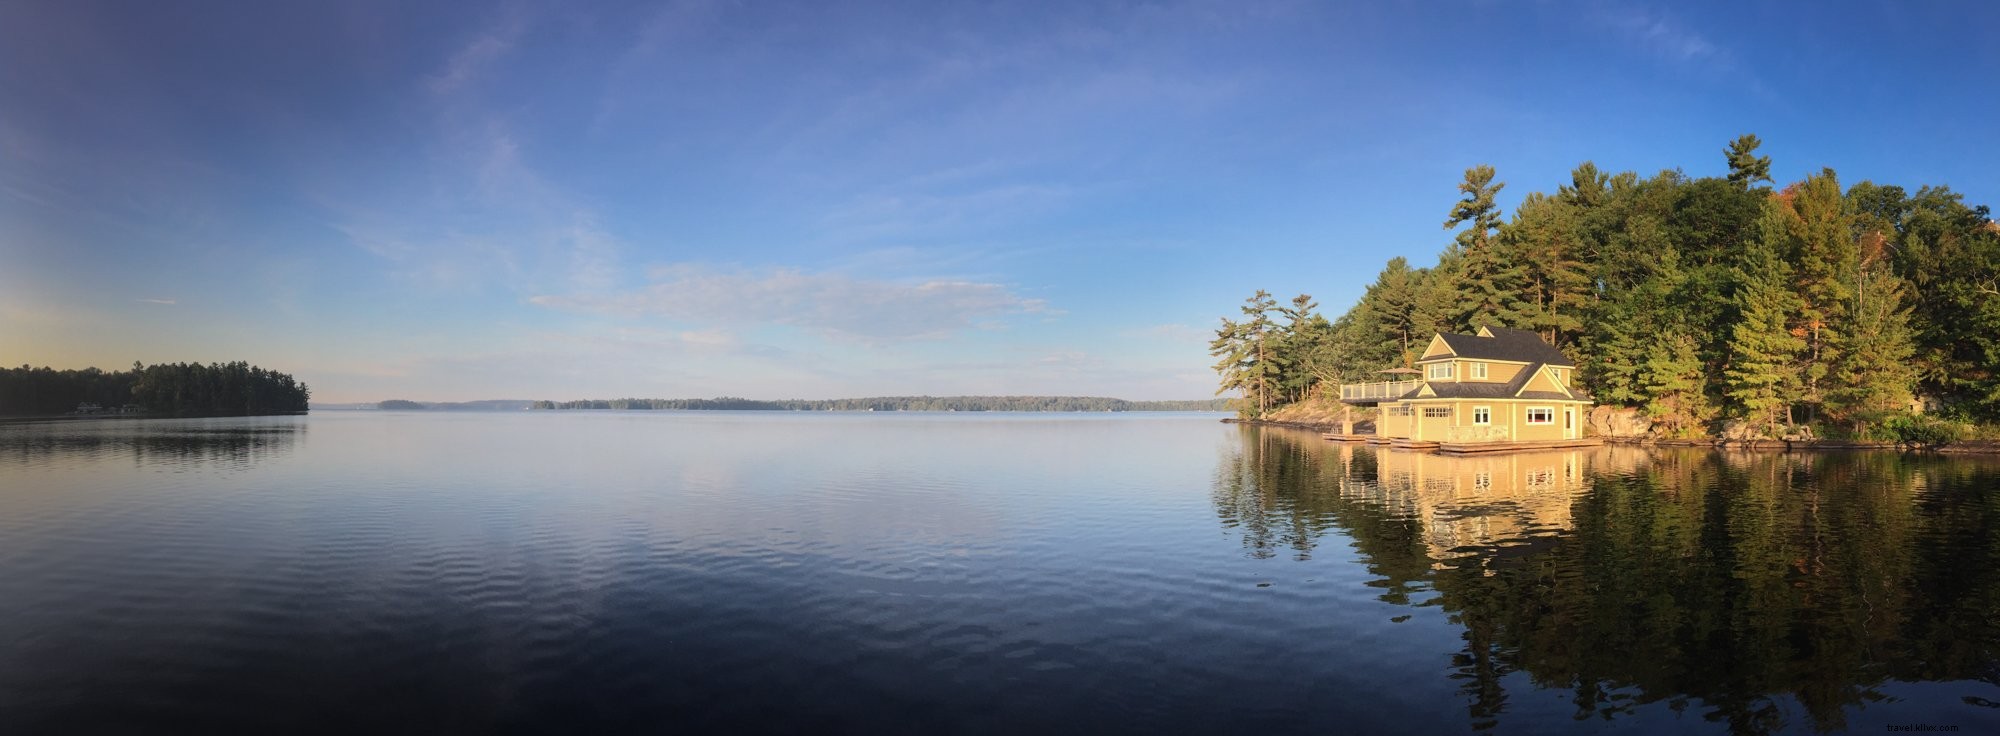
{"x": 971, "y": 573}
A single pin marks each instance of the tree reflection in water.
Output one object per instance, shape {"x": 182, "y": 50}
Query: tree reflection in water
{"x": 1750, "y": 587}
{"x": 230, "y": 443}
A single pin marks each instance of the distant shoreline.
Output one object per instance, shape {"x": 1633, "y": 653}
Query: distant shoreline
{"x": 1085, "y": 404}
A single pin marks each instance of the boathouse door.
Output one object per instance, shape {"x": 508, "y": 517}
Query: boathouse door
{"x": 1569, "y": 423}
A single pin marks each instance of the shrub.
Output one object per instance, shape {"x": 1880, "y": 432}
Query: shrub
{"x": 1917, "y": 428}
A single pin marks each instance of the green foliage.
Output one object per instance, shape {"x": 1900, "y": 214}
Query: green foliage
{"x": 1673, "y": 382}
{"x": 1277, "y": 354}
{"x": 1916, "y": 428}
{"x": 399, "y": 405}
{"x": 1762, "y": 378}
{"x": 178, "y": 389}
{"x": 1874, "y": 374}
{"x": 1693, "y": 298}
{"x": 1745, "y": 167}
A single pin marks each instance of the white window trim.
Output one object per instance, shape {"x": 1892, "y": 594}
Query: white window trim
{"x": 1428, "y": 409}
{"x": 1431, "y": 372}
{"x": 1529, "y": 417}
{"x": 1479, "y": 371}
{"x": 1475, "y": 415}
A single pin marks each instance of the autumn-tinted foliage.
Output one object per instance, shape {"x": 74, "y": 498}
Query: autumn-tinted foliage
{"x": 1698, "y": 300}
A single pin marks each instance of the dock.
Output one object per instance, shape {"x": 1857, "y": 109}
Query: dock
{"x": 1478, "y": 448}
{"x": 1338, "y": 437}
{"x": 1405, "y": 443}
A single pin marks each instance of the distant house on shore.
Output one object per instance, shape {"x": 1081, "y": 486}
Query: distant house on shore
{"x": 1500, "y": 385}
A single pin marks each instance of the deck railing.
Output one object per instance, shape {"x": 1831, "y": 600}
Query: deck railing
{"x": 1378, "y": 391}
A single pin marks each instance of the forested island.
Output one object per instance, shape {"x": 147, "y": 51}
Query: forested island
{"x": 899, "y": 403}
{"x": 166, "y": 389}
{"x": 1714, "y": 305}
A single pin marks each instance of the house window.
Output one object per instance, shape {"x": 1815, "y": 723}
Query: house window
{"x": 1437, "y": 412}
{"x": 1559, "y": 375}
{"x": 1439, "y": 370}
{"x": 1541, "y": 415}
{"x": 1482, "y": 415}
{"x": 1479, "y": 371}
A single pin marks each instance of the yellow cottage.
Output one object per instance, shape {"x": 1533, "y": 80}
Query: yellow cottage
{"x": 1499, "y": 386}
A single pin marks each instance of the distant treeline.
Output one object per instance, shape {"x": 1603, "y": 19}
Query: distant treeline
{"x": 176, "y": 389}
{"x": 900, "y": 403}
{"x": 481, "y": 405}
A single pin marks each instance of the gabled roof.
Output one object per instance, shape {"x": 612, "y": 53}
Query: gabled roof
{"x": 1500, "y": 343}
{"x": 1481, "y": 390}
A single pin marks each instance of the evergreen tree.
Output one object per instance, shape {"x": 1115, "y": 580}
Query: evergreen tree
{"x": 1808, "y": 226}
{"x": 1549, "y": 285}
{"x": 1675, "y": 381}
{"x": 1248, "y": 356}
{"x": 1874, "y": 375}
{"x": 1762, "y": 377}
{"x": 1482, "y": 272}
{"x": 1745, "y": 166}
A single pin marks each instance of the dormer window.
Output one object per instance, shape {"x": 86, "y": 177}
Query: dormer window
{"x": 1438, "y": 371}
{"x": 1559, "y": 376}
{"x": 1479, "y": 371}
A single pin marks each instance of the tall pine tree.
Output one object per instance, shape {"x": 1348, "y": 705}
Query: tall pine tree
{"x": 1762, "y": 378}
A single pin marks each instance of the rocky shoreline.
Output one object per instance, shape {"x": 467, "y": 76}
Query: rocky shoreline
{"x": 1968, "y": 447}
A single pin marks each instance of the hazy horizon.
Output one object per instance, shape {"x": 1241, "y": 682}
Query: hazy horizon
{"x": 698, "y": 199}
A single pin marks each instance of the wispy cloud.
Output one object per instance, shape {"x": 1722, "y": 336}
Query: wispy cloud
{"x": 1659, "y": 34}
{"x": 168, "y": 302}
{"x": 486, "y": 48}
{"x": 830, "y": 303}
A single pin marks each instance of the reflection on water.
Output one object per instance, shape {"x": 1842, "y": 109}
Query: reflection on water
{"x": 231, "y": 442}
{"x": 953, "y": 573}
{"x": 1761, "y": 592}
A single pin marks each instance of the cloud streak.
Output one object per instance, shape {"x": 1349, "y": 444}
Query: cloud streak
{"x": 830, "y": 303}
{"x": 473, "y": 58}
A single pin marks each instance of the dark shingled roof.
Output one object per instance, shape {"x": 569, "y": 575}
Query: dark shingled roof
{"x": 1505, "y": 344}
{"x": 1475, "y": 390}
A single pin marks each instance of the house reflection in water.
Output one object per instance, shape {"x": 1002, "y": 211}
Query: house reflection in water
{"x": 1475, "y": 504}
{"x": 1662, "y": 587}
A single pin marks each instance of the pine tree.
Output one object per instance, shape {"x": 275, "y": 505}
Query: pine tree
{"x": 1875, "y": 375}
{"x": 1675, "y": 381}
{"x": 1482, "y": 271}
{"x": 1745, "y": 167}
{"x": 1762, "y": 377}
{"x": 1808, "y": 226}
{"x": 1549, "y": 286}
{"x": 1250, "y": 360}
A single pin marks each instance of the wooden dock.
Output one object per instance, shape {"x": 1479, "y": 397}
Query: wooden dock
{"x": 1475, "y": 448}
{"x": 1405, "y": 443}
{"x": 1338, "y": 437}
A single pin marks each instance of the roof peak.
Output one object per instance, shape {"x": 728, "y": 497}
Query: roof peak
{"x": 1504, "y": 343}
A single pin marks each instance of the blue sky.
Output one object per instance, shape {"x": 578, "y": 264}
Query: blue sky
{"x": 765, "y": 199}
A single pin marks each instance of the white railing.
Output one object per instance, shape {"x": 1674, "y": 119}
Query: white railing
{"x": 1377, "y": 391}
{"x": 1475, "y": 433}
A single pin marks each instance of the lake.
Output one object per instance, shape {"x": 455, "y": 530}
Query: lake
{"x": 571, "y": 572}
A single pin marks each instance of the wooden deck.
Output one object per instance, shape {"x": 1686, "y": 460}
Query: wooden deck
{"x": 1474, "y": 448}
{"x": 1338, "y": 437}
{"x": 1405, "y": 443}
